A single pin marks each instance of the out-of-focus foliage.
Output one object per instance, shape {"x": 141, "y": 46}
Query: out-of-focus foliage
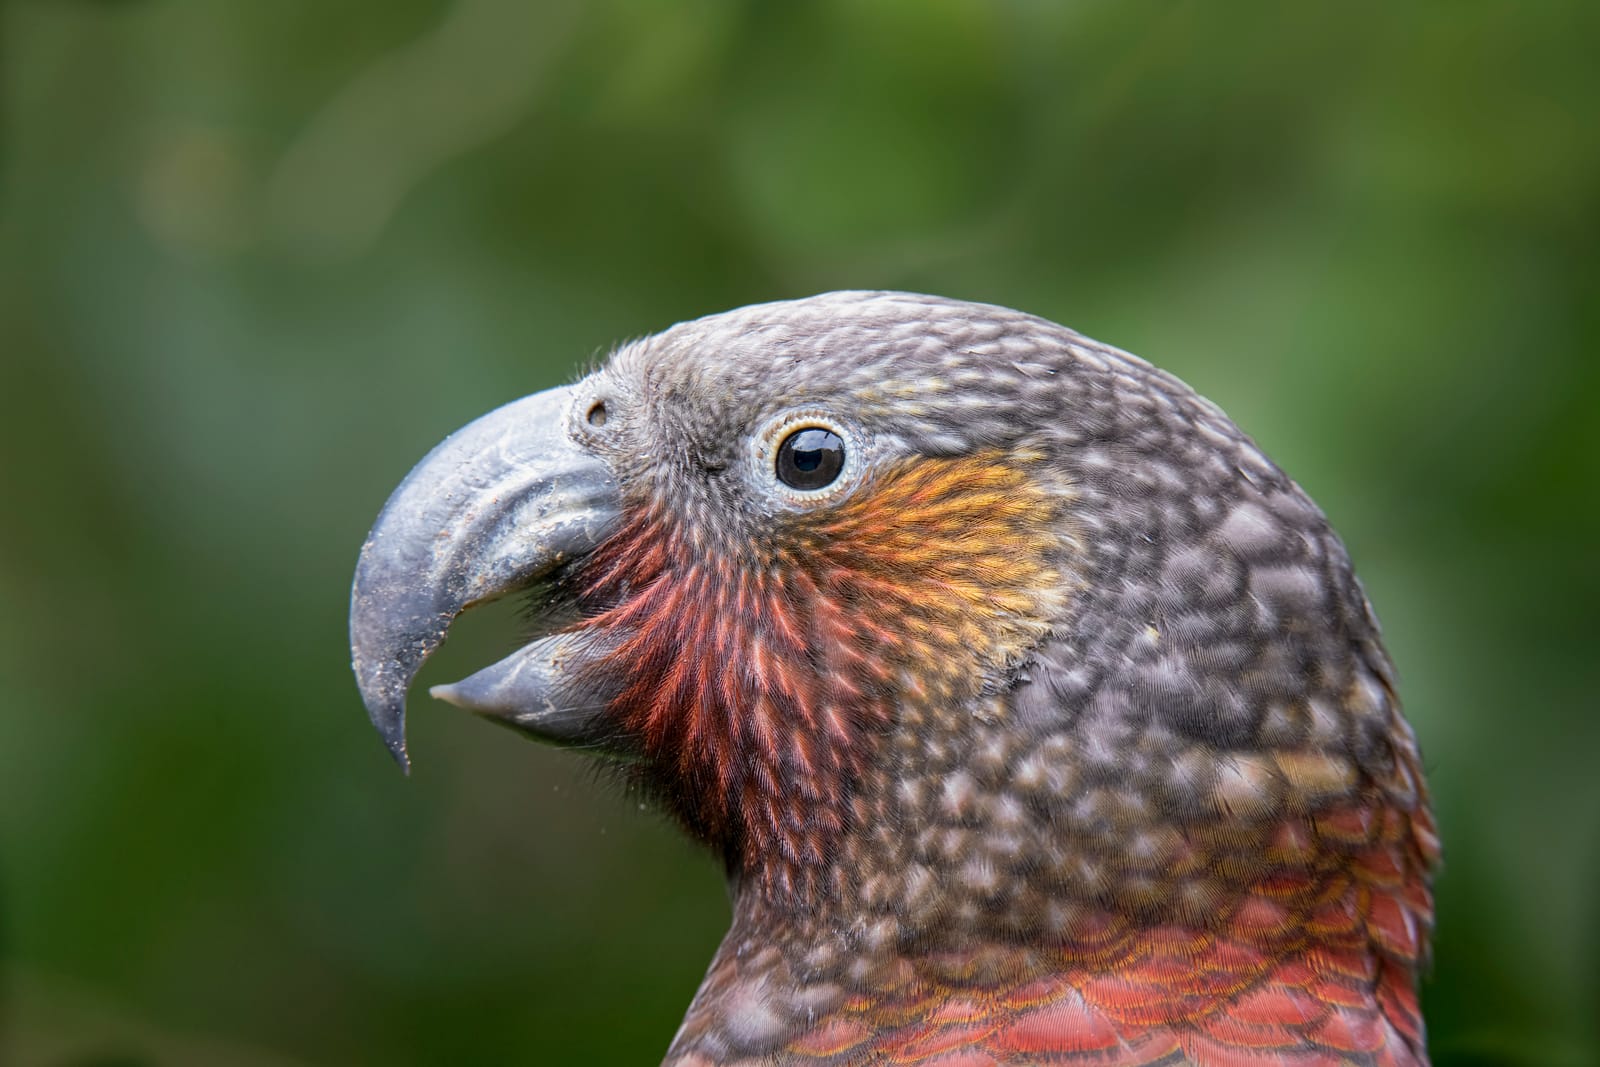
{"x": 256, "y": 258}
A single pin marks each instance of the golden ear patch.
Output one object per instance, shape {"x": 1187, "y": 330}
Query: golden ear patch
{"x": 957, "y": 564}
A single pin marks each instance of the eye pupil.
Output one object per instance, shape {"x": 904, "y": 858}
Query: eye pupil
{"x": 810, "y": 458}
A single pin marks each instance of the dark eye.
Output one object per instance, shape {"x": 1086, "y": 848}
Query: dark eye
{"x": 810, "y": 458}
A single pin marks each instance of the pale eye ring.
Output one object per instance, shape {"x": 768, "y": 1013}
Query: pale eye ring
{"x": 810, "y": 458}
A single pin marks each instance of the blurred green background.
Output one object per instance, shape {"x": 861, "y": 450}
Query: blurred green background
{"x": 256, "y": 258}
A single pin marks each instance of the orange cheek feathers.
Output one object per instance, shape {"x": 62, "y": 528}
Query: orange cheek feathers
{"x": 759, "y": 676}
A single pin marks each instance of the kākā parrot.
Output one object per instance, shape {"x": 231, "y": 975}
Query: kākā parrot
{"x": 1037, "y": 716}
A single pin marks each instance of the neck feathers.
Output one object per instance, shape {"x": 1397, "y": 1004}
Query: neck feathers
{"x": 1312, "y": 964}
{"x": 765, "y": 677}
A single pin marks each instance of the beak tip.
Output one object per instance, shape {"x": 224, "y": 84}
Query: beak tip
{"x": 402, "y": 759}
{"x": 450, "y": 694}
{"x": 485, "y": 693}
{"x": 473, "y": 695}
{"x": 389, "y": 718}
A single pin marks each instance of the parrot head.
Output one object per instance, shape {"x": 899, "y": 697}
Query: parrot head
{"x": 1006, "y": 676}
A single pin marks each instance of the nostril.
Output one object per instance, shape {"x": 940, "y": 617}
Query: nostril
{"x": 597, "y": 413}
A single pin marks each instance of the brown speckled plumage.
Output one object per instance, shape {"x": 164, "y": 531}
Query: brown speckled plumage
{"x": 1060, "y": 733}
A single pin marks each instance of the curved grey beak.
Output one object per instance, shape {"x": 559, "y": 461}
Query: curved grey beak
{"x": 498, "y": 505}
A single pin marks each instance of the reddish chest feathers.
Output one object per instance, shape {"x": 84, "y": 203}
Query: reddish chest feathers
{"x": 761, "y": 671}
{"x": 1314, "y": 965}
{"x": 1260, "y": 992}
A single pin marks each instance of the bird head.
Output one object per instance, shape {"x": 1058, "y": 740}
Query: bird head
{"x": 787, "y": 534}
{"x": 938, "y": 622}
